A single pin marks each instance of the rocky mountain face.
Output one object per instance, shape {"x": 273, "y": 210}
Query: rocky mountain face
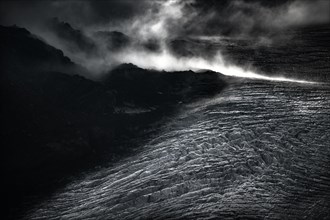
{"x": 74, "y": 39}
{"x": 115, "y": 40}
{"x": 55, "y": 122}
{"x": 22, "y": 51}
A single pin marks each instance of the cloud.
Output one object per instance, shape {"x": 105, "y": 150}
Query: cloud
{"x": 154, "y": 27}
{"x": 303, "y": 13}
{"x": 162, "y": 19}
{"x": 163, "y": 23}
{"x": 259, "y": 19}
{"x": 166, "y": 61}
{"x": 78, "y": 13}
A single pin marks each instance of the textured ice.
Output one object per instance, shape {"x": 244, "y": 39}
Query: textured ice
{"x": 258, "y": 150}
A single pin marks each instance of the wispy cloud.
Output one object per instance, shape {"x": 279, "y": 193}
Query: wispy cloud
{"x": 254, "y": 20}
{"x": 162, "y": 21}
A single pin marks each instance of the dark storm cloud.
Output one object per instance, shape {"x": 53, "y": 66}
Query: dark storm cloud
{"x": 152, "y": 27}
{"x": 255, "y": 18}
{"x": 208, "y": 17}
{"x": 76, "y": 12}
{"x": 115, "y": 10}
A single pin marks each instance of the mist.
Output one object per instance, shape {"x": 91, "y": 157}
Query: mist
{"x": 151, "y": 27}
{"x": 165, "y": 109}
{"x": 164, "y": 25}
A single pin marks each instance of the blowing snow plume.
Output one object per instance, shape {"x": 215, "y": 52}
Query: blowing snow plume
{"x": 169, "y": 22}
{"x": 158, "y": 34}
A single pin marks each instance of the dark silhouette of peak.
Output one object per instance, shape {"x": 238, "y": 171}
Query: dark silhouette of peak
{"x": 152, "y": 45}
{"x": 153, "y": 88}
{"x": 127, "y": 66}
{"x": 112, "y": 34}
{"x": 74, "y": 39}
{"x": 55, "y": 122}
{"x": 114, "y": 40}
{"x": 22, "y": 50}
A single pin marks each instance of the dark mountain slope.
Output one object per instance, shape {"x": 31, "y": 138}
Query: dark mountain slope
{"x": 74, "y": 39}
{"x": 22, "y": 50}
{"x": 114, "y": 40}
{"x": 54, "y": 122}
{"x": 153, "y": 88}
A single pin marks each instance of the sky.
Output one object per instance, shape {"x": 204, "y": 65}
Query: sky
{"x": 191, "y": 16}
{"x": 151, "y": 25}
